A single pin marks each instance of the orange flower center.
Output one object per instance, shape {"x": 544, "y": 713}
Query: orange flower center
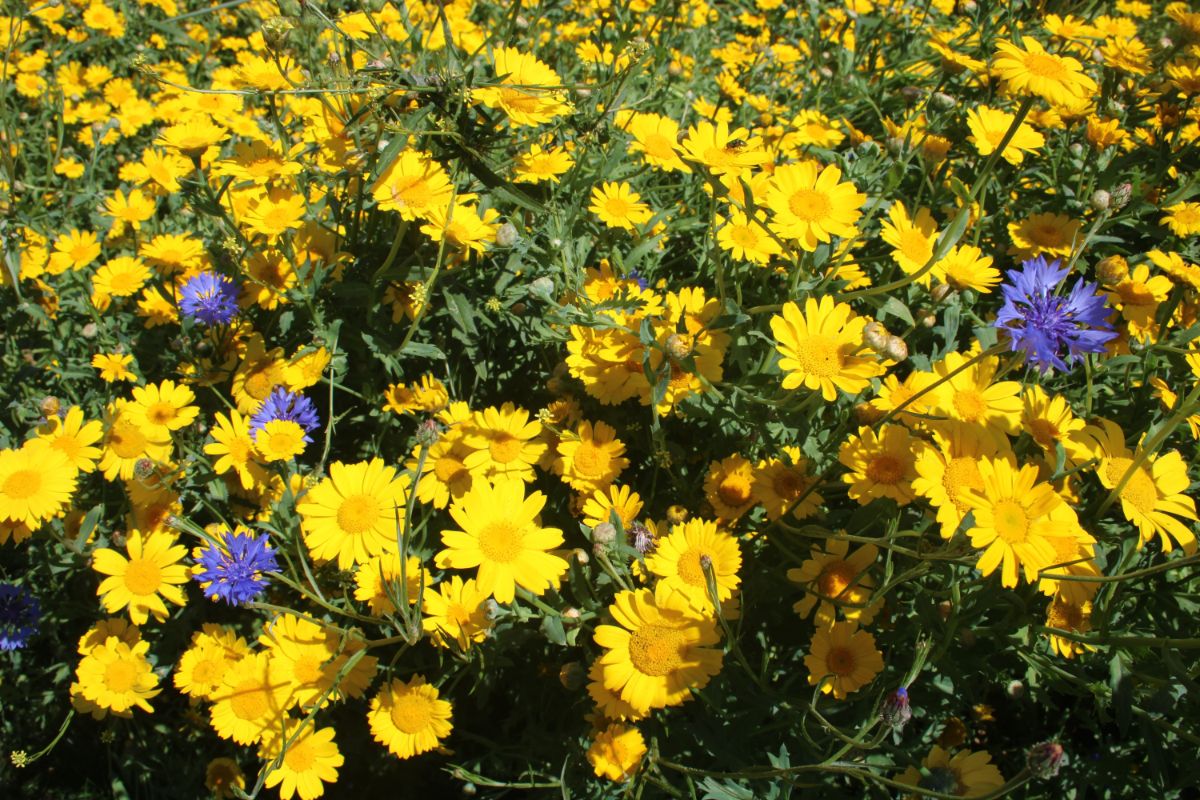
{"x": 970, "y": 405}
{"x": 501, "y": 541}
{"x": 358, "y": 514}
{"x": 841, "y": 661}
{"x": 591, "y": 461}
{"x": 505, "y": 448}
{"x": 885, "y": 469}
{"x": 22, "y": 484}
{"x": 411, "y": 713}
{"x": 835, "y": 578}
{"x": 961, "y": 473}
{"x": 1045, "y": 65}
{"x": 809, "y": 205}
{"x": 819, "y": 356}
{"x": 1139, "y": 491}
{"x": 301, "y": 756}
{"x": 250, "y": 701}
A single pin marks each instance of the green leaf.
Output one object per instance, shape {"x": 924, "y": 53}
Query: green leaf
{"x": 422, "y": 350}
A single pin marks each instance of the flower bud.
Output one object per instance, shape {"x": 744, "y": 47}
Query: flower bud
{"x": 896, "y": 711}
{"x": 867, "y": 414}
{"x": 428, "y": 433}
{"x": 679, "y": 347}
{"x": 572, "y": 676}
{"x": 1076, "y": 149}
{"x": 506, "y": 235}
{"x": 677, "y": 515}
{"x": 90, "y": 330}
{"x": 1100, "y": 200}
{"x": 50, "y": 406}
{"x": 603, "y": 535}
{"x": 1112, "y": 270}
{"x": 944, "y": 608}
{"x": 641, "y": 538}
{"x": 542, "y": 286}
{"x": 1121, "y": 194}
{"x": 1015, "y": 690}
{"x": 941, "y": 292}
{"x": 875, "y": 336}
{"x": 895, "y": 349}
{"x": 571, "y": 614}
{"x": 911, "y": 94}
{"x": 1045, "y": 759}
{"x": 943, "y": 101}
{"x": 143, "y": 469}
{"x": 580, "y": 555}
{"x": 674, "y": 69}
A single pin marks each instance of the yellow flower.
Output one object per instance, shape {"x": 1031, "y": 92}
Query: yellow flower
{"x": 504, "y": 443}
{"x": 658, "y": 651}
{"x": 948, "y": 471}
{"x": 160, "y": 409}
{"x": 721, "y": 150}
{"x": 74, "y": 438}
{"x": 966, "y": 267}
{"x": 193, "y": 137}
{"x": 378, "y": 582}
{"x": 747, "y": 238}
{"x": 680, "y": 557}
{"x": 36, "y": 483}
{"x": 1025, "y": 66}
{"x": 409, "y": 718}
{"x": 1073, "y": 618}
{"x": 116, "y": 676}
{"x": 1154, "y": 493}
{"x": 152, "y": 572}
{"x": 988, "y": 127}
{"x": 455, "y": 611}
{"x": 592, "y": 458}
{"x": 119, "y": 277}
{"x": 250, "y": 700}
{"x": 113, "y": 367}
{"x": 813, "y": 207}
{"x": 820, "y": 346}
{"x": 602, "y": 503}
{"x": 842, "y": 659}
{"x": 501, "y": 534}
{"x": 1044, "y": 234}
{"x": 1015, "y": 517}
{"x": 280, "y": 440}
{"x": 729, "y": 487}
{"x": 966, "y": 774}
{"x": 780, "y": 483}
{"x": 443, "y": 475}
{"x": 881, "y": 464}
{"x": 1049, "y": 420}
{"x": 656, "y": 138}
{"x": 222, "y": 776}
{"x": 912, "y": 239}
{"x": 539, "y": 97}
{"x": 971, "y": 396}
{"x": 274, "y": 213}
{"x": 840, "y": 580}
{"x": 234, "y": 450}
{"x": 1138, "y": 297}
{"x": 618, "y": 206}
{"x": 308, "y": 762}
{"x": 212, "y": 652}
{"x": 540, "y": 164}
{"x": 617, "y": 752}
{"x": 353, "y": 514}
{"x": 413, "y": 185}
{"x": 428, "y": 396}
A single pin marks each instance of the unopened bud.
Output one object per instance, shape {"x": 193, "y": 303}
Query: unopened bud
{"x": 143, "y": 469}
{"x": 1100, "y": 200}
{"x": 895, "y": 349}
{"x": 896, "y": 711}
{"x": 867, "y": 414}
{"x": 1015, "y": 690}
{"x": 1076, "y": 149}
{"x": 1045, "y": 759}
{"x": 1112, "y": 270}
{"x": 675, "y": 69}
{"x": 571, "y": 614}
{"x": 943, "y": 101}
{"x": 581, "y": 556}
{"x": 941, "y": 292}
{"x": 641, "y": 538}
{"x": 572, "y": 675}
{"x": 911, "y": 94}
{"x": 1121, "y": 194}
{"x": 543, "y": 287}
{"x": 677, "y": 515}
{"x": 679, "y": 347}
{"x": 928, "y": 318}
{"x": 944, "y": 608}
{"x": 50, "y": 406}
{"x": 90, "y": 330}
{"x": 428, "y": 433}
{"x": 603, "y": 535}
{"x": 506, "y": 235}
{"x": 875, "y": 336}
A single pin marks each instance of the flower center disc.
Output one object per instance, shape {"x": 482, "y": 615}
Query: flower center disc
{"x": 809, "y": 205}
{"x": 505, "y": 448}
{"x": 961, "y": 473}
{"x": 1012, "y": 524}
{"x": 120, "y": 676}
{"x": 22, "y": 484}
{"x": 358, "y": 513}
{"x": 590, "y": 461}
{"x": 734, "y": 490}
{"x": 142, "y": 577}
{"x": 126, "y": 440}
{"x": 411, "y": 713}
{"x": 970, "y": 405}
{"x": 656, "y": 650}
{"x": 1140, "y": 491}
{"x": 835, "y": 578}
{"x": 300, "y": 756}
{"x": 884, "y": 469}
{"x": 500, "y": 540}
{"x": 820, "y": 356}
{"x": 840, "y": 661}
{"x": 249, "y": 701}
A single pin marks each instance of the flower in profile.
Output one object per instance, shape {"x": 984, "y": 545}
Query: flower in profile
{"x": 209, "y": 298}
{"x": 19, "y": 613}
{"x": 287, "y": 406}
{"x": 1043, "y": 323}
{"x": 233, "y": 567}
{"x": 896, "y": 711}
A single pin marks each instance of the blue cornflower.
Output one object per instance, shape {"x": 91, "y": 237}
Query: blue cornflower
{"x": 282, "y": 404}
{"x": 234, "y": 572}
{"x": 1044, "y": 324}
{"x": 19, "y": 614}
{"x": 210, "y": 298}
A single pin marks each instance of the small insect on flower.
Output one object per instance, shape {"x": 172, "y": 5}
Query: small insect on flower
{"x": 233, "y": 567}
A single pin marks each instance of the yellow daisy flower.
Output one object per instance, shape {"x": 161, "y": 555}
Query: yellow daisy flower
{"x": 779, "y": 483}
{"x": 618, "y": 206}
{"x": 1068, "y": 616}
{"x": 729, "y": 487}
{"x": 36, "y": 483}
{"x": 152, "y": 572}
{"x": 377, "y": 582}
{"x": 113, "y": 367}
{"x": 592, "y": 458}
{"x": 409, "y": 718}
{"x": 505, "y": 443}
{"x": 250, "y": 701}
{"x": 1026, "y": 66}
{"x": 539, "y": 97}
{"x": 950, "y": 469}
{"x": 881, "y": 464}
{"x": 308, "y": 761}
{"x": 658, "y": 651}
{"x": 988, "y": 127}
{"x": 455, "y": 611}
{"x": 840, "y": 580}
{"x": 234, "y": 449}
{"x": 616, "y": 752}
{"x": 966, "y": 774}
{"x": 1183, "y": 219}
{"x": 812, "y": 207}
{"x": 820, "y": 348}
{"x": 971, "y": 396}
{"x": 501, "y": 534}
{"x": 116, "y": 676}
{"x": 353, "y": 514}
{"x": 911, "y": 239}
{"x": 842, "y": 659}
{"x": 966, "y": 267}
{"x": 212, "y": 652}
{"x": 74, "y": 438}
{"x": 679, "y": 560}
{"x": 163, "y": 408}
{"x": 600, "y": 505}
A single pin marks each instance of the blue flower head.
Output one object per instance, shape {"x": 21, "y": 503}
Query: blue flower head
{"x": 1048, "y": 325}
{"x": 234, "y": 572}
{"x": 292, "y": 406}
{"x": 209, "y": 298}
{"x": 19, "y": 615}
